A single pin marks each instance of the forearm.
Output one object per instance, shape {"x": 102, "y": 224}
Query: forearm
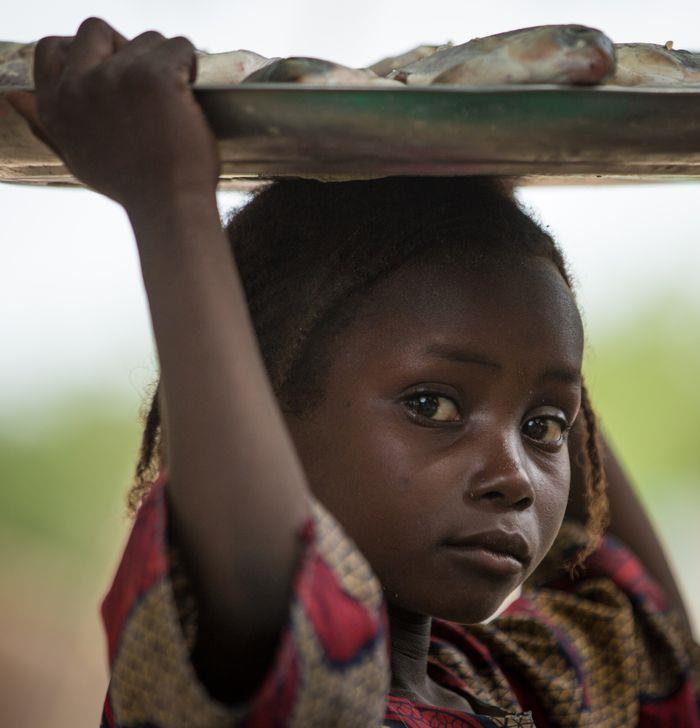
{"x": 122, "y": 116}
{"x": 630, "y": 523}
{"x": 237, "y": 490}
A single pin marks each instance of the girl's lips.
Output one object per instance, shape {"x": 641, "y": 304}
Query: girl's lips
{"x": 484, "y": 559}
{"x": 501, "y": 552}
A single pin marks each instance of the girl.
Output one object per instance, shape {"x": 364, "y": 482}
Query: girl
{"x": 360, "y": 446}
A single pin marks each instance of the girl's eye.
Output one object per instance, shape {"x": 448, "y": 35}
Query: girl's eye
{"x": 547, "y": 430}
{"x": 433, "y": 406}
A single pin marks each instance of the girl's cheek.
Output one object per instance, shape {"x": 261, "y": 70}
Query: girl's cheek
{"x": 553, "y": 498}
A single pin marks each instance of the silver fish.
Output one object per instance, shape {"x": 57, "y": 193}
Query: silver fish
{"x": 564, "y": 54}
{"x": 387, "y": 65}
{"x": 213, "y": 69}
{"x": 223, "y": 69}
{"x": 648, "y": 64}
{"x": 16, "y": 64}
{"x": 316, "y": 71}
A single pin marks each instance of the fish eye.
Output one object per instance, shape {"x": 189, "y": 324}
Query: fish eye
{"x": 546, "y": 429}
{"x": 433, "y": 406}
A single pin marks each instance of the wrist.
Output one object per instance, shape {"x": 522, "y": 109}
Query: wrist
{"x": 172, "y": 209}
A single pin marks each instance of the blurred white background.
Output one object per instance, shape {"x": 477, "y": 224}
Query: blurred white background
{"x": 75, "y": 326}
{"x": 70, "y": 271}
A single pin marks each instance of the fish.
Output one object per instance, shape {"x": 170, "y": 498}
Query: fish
{"x": 317, "y": 72}
{"x": 549, "y": 54}
{"x": 16, "y": 63}
{"x": 223, "y": 69}
{"x": 218, "y": 69}
{"x": 213, "y": 69}
{"x": 648, "y": 64}
{"x": 557, "y": 54}
{"x": 391, "y": 63}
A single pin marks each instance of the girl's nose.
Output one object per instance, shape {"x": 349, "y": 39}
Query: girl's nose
{"x": 502, "y": 484}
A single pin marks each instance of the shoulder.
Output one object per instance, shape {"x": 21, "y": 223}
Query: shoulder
{"x": 612, "y": 560}
{"x": 604, "y": 643}
{"x": 331, "y": 656}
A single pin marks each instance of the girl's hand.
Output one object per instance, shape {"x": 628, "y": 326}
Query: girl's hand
{"x": 121, "y": 114}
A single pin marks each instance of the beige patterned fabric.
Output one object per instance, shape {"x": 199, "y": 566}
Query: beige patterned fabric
{"x": 588, "y": 652}
{"x": 558, "y": 641}
{"x": 153, "y": 682}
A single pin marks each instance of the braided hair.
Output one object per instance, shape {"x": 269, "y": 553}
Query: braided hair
{"x": 308, "y": 252}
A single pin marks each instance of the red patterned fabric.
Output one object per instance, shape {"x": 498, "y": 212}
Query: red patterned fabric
{"x": 603, "y": 650}
{"x": 143, "y": 564}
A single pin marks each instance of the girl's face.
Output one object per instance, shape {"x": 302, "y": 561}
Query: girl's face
{"x": 442, "y": 438}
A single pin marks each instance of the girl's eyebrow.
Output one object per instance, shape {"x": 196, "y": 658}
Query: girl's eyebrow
{"x": 463, "y": 356}
{"x": 563, "y": 375}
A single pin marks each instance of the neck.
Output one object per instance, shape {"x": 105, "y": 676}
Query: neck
{"x": 410, "y": 641}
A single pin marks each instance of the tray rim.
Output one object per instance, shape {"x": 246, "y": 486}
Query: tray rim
{"x": 646, "y": 97}
{"x": 693, "y": 90}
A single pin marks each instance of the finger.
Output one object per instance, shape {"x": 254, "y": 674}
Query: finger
{"x": 95, "y": 41}
{"x": 119, "y": 41}
{"x": 141, "y": 44}
{"x": 49, "y": 59}
{"x": 24, "y": 103}
{"x": 177, "y": 56}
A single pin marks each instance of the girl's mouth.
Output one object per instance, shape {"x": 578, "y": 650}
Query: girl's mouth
{"x": 484, "y": 559}
{"x": 501, "y": 552}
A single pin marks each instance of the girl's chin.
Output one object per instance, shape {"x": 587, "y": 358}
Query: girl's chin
{"x": 471, "y": 611}
{"x": 472, "y": 615}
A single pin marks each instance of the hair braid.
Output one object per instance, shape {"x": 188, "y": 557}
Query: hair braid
{"x": 596, "y": 498}
{"x": 150, "y": 456}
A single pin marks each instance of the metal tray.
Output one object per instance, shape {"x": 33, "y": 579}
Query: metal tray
{"x": 537, "y": 134}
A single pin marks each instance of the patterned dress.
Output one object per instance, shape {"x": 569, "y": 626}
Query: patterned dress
{"x": 602, "y": 651}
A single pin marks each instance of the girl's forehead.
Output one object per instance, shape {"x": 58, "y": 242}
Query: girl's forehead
{"x": 473, "y": 284}
{"x": 526, "y": 301}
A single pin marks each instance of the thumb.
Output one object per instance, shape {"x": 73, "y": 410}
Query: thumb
{"x": 24, "y": 103}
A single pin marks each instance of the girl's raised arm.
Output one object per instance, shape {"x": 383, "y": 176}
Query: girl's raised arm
{"x": 123, "y": 118}
{"x": 629, "y": 522}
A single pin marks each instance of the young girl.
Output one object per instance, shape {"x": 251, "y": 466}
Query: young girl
{"x": 361, "y": 445}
